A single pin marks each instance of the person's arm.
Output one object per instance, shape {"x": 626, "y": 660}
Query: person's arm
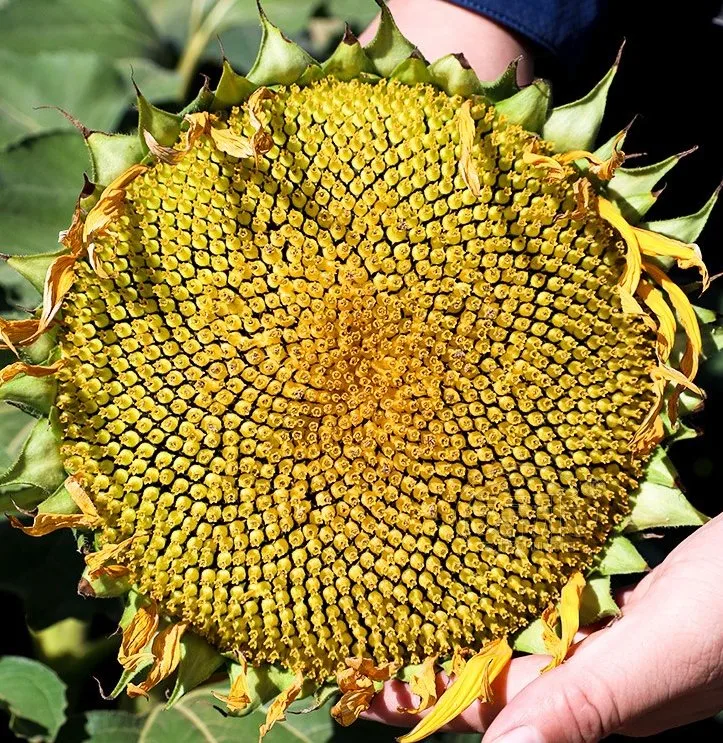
{"x": 439, "y": 28}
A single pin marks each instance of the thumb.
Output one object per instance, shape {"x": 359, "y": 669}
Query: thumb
{"x": 613, "y": 677}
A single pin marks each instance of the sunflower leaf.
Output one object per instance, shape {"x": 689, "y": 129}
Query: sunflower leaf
{"x": 34, "y": 395}
{"x": 34, "y": 697}
{"x": 112, "y": 726}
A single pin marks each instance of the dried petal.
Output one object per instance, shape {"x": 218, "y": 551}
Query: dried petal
{"x": 136, "y": 637}
{"x": 423, "y": 684}
{"x": 166, "y": 651}
{"x": 278, "y": 707}
{"x": 240, "y": 695}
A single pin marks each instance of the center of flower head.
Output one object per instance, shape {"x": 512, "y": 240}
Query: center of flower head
{"x": 345, "y": 405}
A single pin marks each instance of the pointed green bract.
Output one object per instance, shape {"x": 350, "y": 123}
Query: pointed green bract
{"x": 280, "y": 61}
{"x": 621, "y": 558}
{"x": 389, "y": 47}
{"x": 686, "y": 229}
{"x": 656, "y": 505}
{"x": 34, "y": 268}
{"x": 165, "y": 127}
{"x": 312, "y": 73}
{"x": 41, "y": 350}
{"x": 198, "y": 661}
{"x": 575, "y": 125}
{"x": 59, "y": 502}
{"x": 111, "y": 154}
{"x": 412, "y": 71}
{"x": 597, "y": 601}
{"x": 528, "y": 107}
{"x": 34, "y": 395}
{"x": 505, "y": 86}
{"x": 349, "y": 60}
{"x": 232, "y": 89}
{"x": 632, "y": 188}
{"x": 202, "y": 102}
{"x": 454, "y": 76}
{"x": 529, "y": 640}
{"x": 38, "y": 471}
{"x": 660, "y": 469}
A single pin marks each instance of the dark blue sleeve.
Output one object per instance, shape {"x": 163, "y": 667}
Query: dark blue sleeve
{"x": 556, "y": 25}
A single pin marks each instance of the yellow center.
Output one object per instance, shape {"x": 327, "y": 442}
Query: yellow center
{"x": 348, "y": 407}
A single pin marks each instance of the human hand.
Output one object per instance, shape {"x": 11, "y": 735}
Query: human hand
{"x": 657, "y": 667}
{"x": 439, "y": 28}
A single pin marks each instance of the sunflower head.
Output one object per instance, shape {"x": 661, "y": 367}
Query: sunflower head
{"x": 357, "y": 369}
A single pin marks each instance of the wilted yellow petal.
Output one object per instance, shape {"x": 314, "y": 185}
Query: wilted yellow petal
{"x": 665, "y": 326}
{"x": 32, "y": 370}
{"x": 569, "y": 613}
{"x": 633, "y": 261}
{"x": 17, "y": 333}
{"x": 686, "y": 256}
{"x": 365, "y": 667}
{"x": 585, "y": 197}
{"x": 240, "y": 695}
{"x": 352, "y": 703}
{"x": 136, "y": 637}
{"x": 458, "y": 660}
{"x": 423, "y": 684}
{"x": 165, "y": 154}
{"x": 278, "y": 707}
{"x": 554, "y": 168}
{"x": 231, "y": 143}
{"x": 472, "y": 683}
{"x": 467, "y": 131}
{"x": 651, "y": 430}
{"x": 96, "y": 560}
{"x": 166, "y": 651}
{"x": 603, "y": 169}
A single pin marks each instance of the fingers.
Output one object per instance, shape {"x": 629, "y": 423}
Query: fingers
{"x": 395, "y": 694}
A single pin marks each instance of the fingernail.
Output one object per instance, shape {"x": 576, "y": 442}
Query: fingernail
{"x": 520, "y": 735}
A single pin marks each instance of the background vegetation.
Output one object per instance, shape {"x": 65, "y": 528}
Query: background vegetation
{"x": 82, "y": 56}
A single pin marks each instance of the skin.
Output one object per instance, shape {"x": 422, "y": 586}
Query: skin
{"x": 659, "y": 665}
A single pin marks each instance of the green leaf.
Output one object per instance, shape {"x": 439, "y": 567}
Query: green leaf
{"x": 35, "y": 395}
{"x": 198, "y": 661}
{"x": 575, "y": 125}
{"x": 454, "y": 76}
{"x": 111, "y": 28}
{"x": 412, "y": 71}
{"x": 34, "y": 268}
{"x": 687, "y": 229}
{"x": 597, "y": 601}
{"x": 660, "y": 469}
{"x": 39, "y": 186}
{"x": 232, "y": 89}
{"x": 529, "y": 640}
{"x": 655, "y": 505}
{"x": 112, "y": 726}
{"x": 528, "y": 107}
{"x": 34, "y": 697}
{"x": 37, "y": 472}
{"x": 505, "y": 86}
{"x": 84, "y": 85}
{"x": 164, "y": 126}
{"x": 111, "y": 154}
{"x": 349, "y": 60}
{"x": 389, "y": 47}
{"x": 16, "y": 291}
{"x": 15, "y": 427}
{"x": 620, "y": 558}
{"x": 279, "y": 60}
{"x": 632, "y": 188}
{"x": 197, "y": 717}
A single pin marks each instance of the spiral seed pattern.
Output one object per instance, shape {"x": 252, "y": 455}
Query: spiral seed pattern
{"x": 348, "y": 407}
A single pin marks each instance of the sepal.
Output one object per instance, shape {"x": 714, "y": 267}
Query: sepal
{"x": 112, "y": 154}
{"x": 412, "y": 71}
{"x": 165, "y": 127}
{"x": 505, "y": 86}
{"x": 198, "y": 661}
{"x": 280, "y": 61}
{"x": 34, "y": 268}
{"x": 575, "y": 125}
{"x": 656, "y": 505}
{"x": 232, "y": 89}
{"x": 620, "y": 558}
{"x": 349, "y": 60}
{"x": 203, "y": 100}
{"x": 528, "y": 107}
{"x": 34, "y": 395}
{"x": 389, "y": 47}
{"x": 632, "y": 188}
{"x": 686, "y": 229}
{"x": 597, "y": 601}
{"x": 530, "y": 639}
{"x": 454, "y": 76}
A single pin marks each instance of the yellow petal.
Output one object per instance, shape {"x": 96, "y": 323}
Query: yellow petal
{"x": 651, "y": 430}
{"x": 278, "y": 707}
{"x": 665, "y": 326}
{"x": 166, "y": 651}
{"x": 136, "y": 637}
{"x": 633, "y": 261}
{"x": 423, "y": 684}
{"x": 686, "y": 256}
{"x": 585, "y": 198}
{"x": 472, "y": 683}
{"x": 603, "y": 169}
{"x": 569, "y": 612}
{"x": 240, "y": 695}
{"x": 467, "y": 131}
{"x": 554, "y": 168}
{"x": 458, "y": 660}
{"x": 32, "y": 370}
{"x": 231, "y": 143}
